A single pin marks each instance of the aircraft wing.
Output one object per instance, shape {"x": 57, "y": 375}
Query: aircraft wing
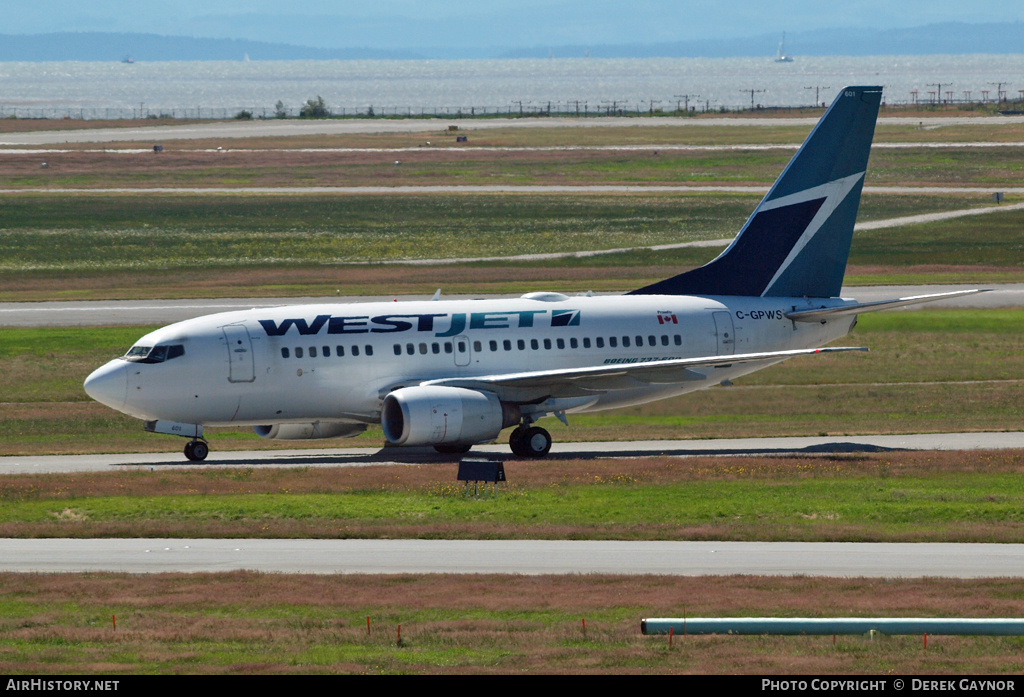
{"x": 577, "y": 382}
{"x": 819, "y": 314}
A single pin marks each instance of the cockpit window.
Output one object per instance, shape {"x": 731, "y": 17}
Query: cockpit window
{"x": 154, "y": 354}
{"x": 137, "y": 353}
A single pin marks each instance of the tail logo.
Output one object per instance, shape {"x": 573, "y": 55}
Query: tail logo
{"x": 831, "y": 194}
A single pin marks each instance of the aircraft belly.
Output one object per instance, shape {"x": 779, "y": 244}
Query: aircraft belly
{"x": 307, "y": 391}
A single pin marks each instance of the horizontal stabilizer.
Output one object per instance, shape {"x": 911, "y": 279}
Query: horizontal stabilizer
{"x": 823, "y": 313}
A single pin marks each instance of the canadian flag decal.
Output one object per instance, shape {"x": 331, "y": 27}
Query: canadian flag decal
{"x": 665, "y": 317}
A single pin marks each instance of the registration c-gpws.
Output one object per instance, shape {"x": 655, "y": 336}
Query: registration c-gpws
{"x": 760, "y": 314}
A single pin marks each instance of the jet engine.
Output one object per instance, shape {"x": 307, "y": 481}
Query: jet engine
{"x": 315, "y": 430}
{"x": 444, "y": 416}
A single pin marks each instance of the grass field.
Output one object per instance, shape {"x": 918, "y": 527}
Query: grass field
{"x": 889, "y": 497}
{"x": 952, "y": 166}
{"x": 244, "y": 623}
{"x": 96, "y": 247}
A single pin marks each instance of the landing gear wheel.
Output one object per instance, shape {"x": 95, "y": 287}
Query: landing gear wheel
{"x": 515, "y": 441}
{"x": 533, "y": 442}
{"x": 456, "y": 449}
{"x": 196, "y": 450}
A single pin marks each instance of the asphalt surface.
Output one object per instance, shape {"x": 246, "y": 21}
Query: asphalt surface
{"x": 293, "y": 127}
{"x": 147, "y": 312}
{"x": 362, "y": 457}
{"x": 530, "y": 557}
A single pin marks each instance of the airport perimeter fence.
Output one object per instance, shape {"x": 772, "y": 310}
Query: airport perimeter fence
{"x": 573, "y": 109}
{"x": 523, "y": 109}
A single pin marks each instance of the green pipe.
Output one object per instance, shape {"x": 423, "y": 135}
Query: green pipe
{"x": 832, "y": 625}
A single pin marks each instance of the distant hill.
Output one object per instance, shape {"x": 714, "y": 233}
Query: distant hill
{"x": 97, "y": 46}
{"x": 949, "y": 38}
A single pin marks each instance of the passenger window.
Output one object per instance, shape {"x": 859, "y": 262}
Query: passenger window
{"x": 547, "y": 344}
{"x": 369, "y": 350}
{"x": 339, "y": 351}
{"x": 435, "y": 347}
{"x": 298, "y": 352}
{"x": 664, "y": 339}
{"x": 521, "y": 344}
{"x": 477, "y": 347}
{"x": 586, "y": 342}
{"x": 423, "y": 349}
{"x": 507, "y": 344}
{"x": 398, "y": 349}
{"x": 613, "y": 342}
{"x": 494, "y": 345}
{"x": 312, "y": 351}
{"x": 679, "y": 340}
{"x": 447, "y": 347}
{"x": 560, "y": 343}
{"x": 284, "y": 353}
{"x": 355, "y": 350}
{"x": 573, "y": 343}
{"x": 327, "y": 351}
{"x": 600, "y": 342}
{"x": 410, "y": 349}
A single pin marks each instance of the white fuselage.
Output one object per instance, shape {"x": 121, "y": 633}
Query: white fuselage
{"x": 336, "y": 362}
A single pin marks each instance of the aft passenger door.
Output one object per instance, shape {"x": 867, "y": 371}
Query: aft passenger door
{"x": 725, "y": 333}
{"x": 241, "y": 364}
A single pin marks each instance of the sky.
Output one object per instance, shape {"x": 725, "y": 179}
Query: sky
{"x": 391, "y": 24}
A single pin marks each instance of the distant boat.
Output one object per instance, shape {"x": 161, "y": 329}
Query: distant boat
{"x": 780, "y": 55}
{"x": 127, "y": 59}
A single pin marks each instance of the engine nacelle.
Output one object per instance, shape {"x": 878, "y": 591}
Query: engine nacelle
{"x": 313, "y": 431}
{"x": 444, "y": 416}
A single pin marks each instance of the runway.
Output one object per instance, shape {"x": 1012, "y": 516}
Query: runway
{"x": 526, "y": 557}
{"x": 363, "y": 457}
{"x": 294, "y": 127}
{"x": 147, "y": 312}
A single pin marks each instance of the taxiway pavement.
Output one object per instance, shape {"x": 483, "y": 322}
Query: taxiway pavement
{"x": 146, "y": 312}
{"x": 294, "y": 127}
{"x": 529, "y": 557}
{"x": 363, "y": 457}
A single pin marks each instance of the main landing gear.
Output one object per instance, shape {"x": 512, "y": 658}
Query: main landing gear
{"x": 530, "y": 441}
{"x": 196, "y": 450}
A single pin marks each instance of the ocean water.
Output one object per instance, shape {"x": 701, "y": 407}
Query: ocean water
{"x": 97, "y": 90}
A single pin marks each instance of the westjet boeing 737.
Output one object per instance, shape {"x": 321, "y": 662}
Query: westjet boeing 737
{"x": 452, "y": 374}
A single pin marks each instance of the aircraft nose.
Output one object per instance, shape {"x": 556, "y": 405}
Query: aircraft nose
{"x": 108, "y": 384}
